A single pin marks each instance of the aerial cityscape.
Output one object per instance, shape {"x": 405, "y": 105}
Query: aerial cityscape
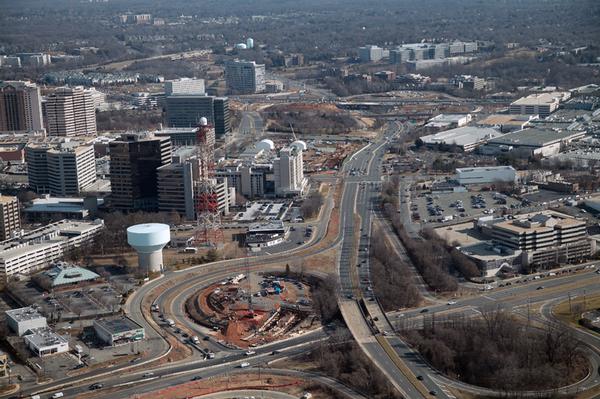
{"x": 319, "y": 199}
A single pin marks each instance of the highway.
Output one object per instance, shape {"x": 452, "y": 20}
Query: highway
{"x": 364, "y": 317}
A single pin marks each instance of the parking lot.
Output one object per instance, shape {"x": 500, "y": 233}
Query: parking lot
{"x": 76, "y": 303}
{"x": 446, "y": 207}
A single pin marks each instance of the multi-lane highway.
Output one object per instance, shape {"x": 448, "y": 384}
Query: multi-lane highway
{"x": 371, "y": 328}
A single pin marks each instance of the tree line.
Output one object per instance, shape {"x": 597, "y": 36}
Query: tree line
{"x": 499, "y": 352}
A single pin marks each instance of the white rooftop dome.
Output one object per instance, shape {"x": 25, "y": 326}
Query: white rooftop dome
{"x": 203, "y": 121}
{"x": 299, "y": 144}
{"x": 265, "y": 144}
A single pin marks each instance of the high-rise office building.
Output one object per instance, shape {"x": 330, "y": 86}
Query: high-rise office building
{"x": 9, "y": 216}
{"x": 289, "y": 171}
{"x": 184, "y": 86}
{"x": 370, "y": 53}
{"x": 61, "y": 170}
{"x": 221, "y": 116}
{"x": 186, "y": 110}
{"x": 20, "y": 107}
{"x": 134, "y": 160}
{"x": 245, "y": 77}
{"x": 70, "y": 111}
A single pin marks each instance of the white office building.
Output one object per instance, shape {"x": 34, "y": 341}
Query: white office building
{"x": 288, "y": 171}
{"x": 486, "y": 175}
{"x": 542, "y": 104}
{"x": 245, "y": 77}
{"x": 45, "y": 342}
{"x": 60, "y": 169}
{"x": 184, "y": 86}
{"x": 22, "y": 320}
{"x": 39, "y": 248}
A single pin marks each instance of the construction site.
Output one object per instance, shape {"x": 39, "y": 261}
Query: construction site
{"x": 254, "y": 309}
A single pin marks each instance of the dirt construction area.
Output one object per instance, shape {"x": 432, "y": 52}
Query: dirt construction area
{"x": 248, "y": 311}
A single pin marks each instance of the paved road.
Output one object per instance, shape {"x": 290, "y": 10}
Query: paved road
{"x": 358, "y": 198}
{"x": 255, "y": 393}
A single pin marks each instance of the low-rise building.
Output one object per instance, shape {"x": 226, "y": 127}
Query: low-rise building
{"x": 53, "y": 209}
{"x": 266, "y": 234}
{"x": 448, "y": 121}
{"x": 25, "y": 319}
{"x": 62, "y": 274}
{"x": 486, "y": 175}
{"x": 118, "y": 331}
{"x": 507, "y": 123}
{"x": 39, "y": 248}
{"x": 466, "y": 138}
{"x": 531, "y": 142}
{"x": 45, "y": 342}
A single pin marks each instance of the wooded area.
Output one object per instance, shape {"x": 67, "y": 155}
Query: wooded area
{"x": 497, "y": 351}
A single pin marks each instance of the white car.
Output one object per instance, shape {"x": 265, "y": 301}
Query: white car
{"x": 451, "y": 302}
{"x": 250, "y": 353}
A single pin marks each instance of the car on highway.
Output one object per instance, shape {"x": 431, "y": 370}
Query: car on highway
{"x": 96, "y": 386}
{"x": 196, "y": 378}
{"x": 244, "y": 365}
{"x": 432, "y": 393}
{"x": 420, "y": 377}
{"x": 424, "y": 310}
{"x": 451, "y": 302}
{"x": 58, "y": 395}
{"x": 541, "y": 287}
{"x": 148, "y": 374}
{"x": 250, "y": 353}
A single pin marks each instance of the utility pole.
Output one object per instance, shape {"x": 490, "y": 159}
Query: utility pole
{"x": 570, "y": 304}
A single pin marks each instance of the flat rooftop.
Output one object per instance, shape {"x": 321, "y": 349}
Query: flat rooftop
{"x": 118, "y": 325}
{"x": 462, "y": 136}
{"x": 6, "y": 199}
{"x": 41, "y": 337}
{"x": 504, "y": 119}
{"x": 542, "y": 98}
{"x": 24, "y": 314}
{"x": 535, "y": 137}
{"x": 265, "y": 226}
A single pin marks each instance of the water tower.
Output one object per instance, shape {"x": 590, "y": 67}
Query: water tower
{"x": 148, "y": 240}
{"x": 250, "y": 43}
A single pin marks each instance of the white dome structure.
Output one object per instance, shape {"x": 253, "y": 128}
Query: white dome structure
{"x": 266, "y": 145}
{"x": 203, "y": 121}
{"x": 299, "y": 144}
{"x": 148, "y": 240}
{"x": 241, "y": 46}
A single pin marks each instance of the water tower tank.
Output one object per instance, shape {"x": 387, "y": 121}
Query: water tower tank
{"x": 250, "y": 42}
{"x": 148, "y": 240}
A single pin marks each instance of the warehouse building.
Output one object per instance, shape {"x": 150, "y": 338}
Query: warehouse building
{"x": 486, "y": 175}
{"x": 45, "y": 342}
{"x": 118, "y": 331}
{"x": 24, "y": 319}
{"x": 531, "y": 142}
{"x": 448, "y": 121}
{"x": 466, "y": 138}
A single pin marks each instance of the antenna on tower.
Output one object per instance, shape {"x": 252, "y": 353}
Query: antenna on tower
{"x": 208, "y": 230}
